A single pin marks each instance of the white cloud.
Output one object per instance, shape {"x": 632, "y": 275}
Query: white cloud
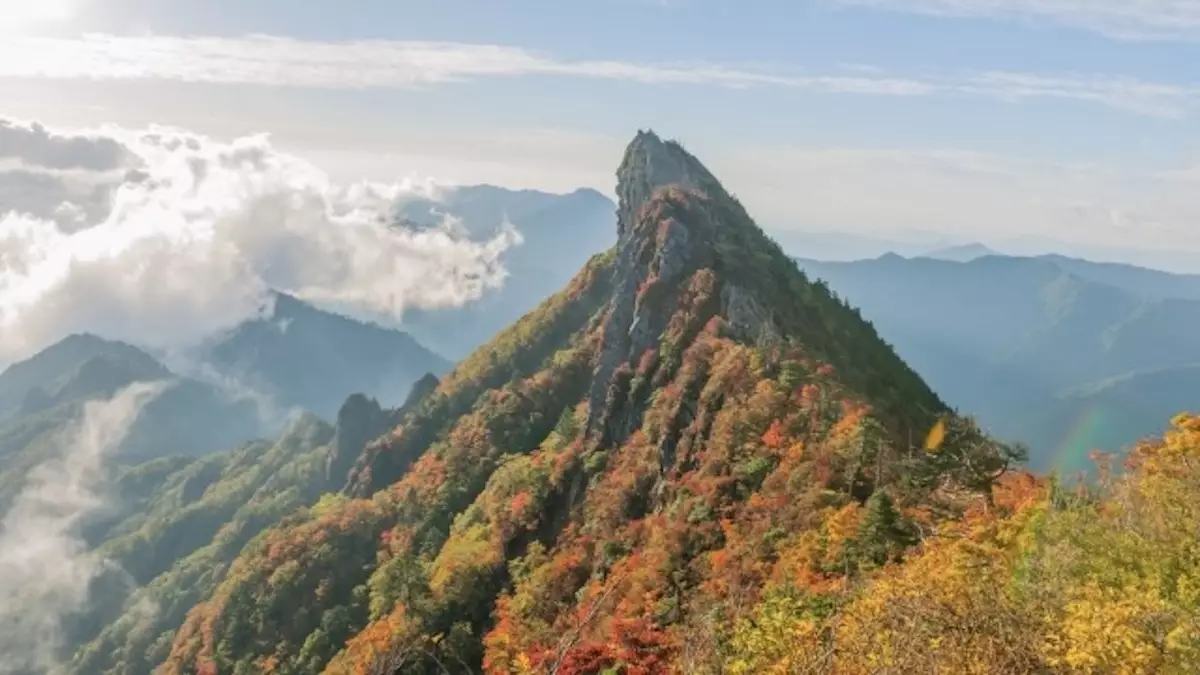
{"x": 1150, "y": 98}
{"x": 285, "y": 61}
{"x": 282, "y": 61}
{"x": 1121, "y": 19}
{"x": 34, "y": 145}
{"x": 196, "y": 236}
{"x": 45, "y": 567}
{"x": 69, "y": 199}
{"x": 17, "y": 16}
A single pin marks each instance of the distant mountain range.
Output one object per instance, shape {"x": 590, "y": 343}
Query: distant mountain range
{"x": 961, "y": 252}
{"x": 839, "y": 246}
{"x": 304, "y": 357}
{"x": 847, "y": 246}
{"x": 41, "y": 396}
{"x": 1065, "y": 354}
{"x": 297, "y": 358}
{"x": 560, "y": 233}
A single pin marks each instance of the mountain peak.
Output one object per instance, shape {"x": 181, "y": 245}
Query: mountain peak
{"x": 692, "y": 374}
{"x": 83, "y": 358}
{"x": 650, "y": 164}
{"x": 689, "y": 255}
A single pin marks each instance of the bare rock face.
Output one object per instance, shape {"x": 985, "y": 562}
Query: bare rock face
{"x": 672, "y": 218}
{"x": 649, "y": 164}
{"x": 747, "y": 317}
{"x": 359, "y": 420}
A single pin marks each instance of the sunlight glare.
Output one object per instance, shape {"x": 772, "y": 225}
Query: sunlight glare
{"x": 19, "y": 16}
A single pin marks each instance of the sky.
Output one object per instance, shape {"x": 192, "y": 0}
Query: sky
{"x": 1072, "y": 121}
{"x": 1071, "y": 117}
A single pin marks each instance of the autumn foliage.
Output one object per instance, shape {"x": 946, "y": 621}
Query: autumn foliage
{"x": 694, "y": 460}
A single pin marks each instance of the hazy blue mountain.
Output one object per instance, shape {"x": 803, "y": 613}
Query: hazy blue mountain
{"x": 1062, "y": 353}
{"x": 1180, "y": 260}
{"x": 560, "y": 232}
{"x": 1139, "y": 280}
{"x": 557, "y": 227}
{"x": 299, "y": 356}
{"x": 308, "y": 358}
{"x": 80, "y": 366}
{"x": 847, "y": 246}
{"x": 960, "y": 252}
{"x": 190, "y": 416}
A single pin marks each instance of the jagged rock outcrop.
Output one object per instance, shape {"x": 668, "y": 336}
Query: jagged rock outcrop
{"x": 421, "y": 389}
{"x": 671, "y": 224}
{"x": 359, "y": 420}
{"x": 651, "y": 163}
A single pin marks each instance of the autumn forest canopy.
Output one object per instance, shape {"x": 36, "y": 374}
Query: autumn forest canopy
{"x": 693, "y": 458}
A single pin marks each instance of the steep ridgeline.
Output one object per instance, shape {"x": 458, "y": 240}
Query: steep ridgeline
{"x": 616, "y": 478}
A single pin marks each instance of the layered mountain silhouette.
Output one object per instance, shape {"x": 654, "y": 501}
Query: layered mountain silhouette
{"x": 608, "y": 478}
{"x": 297, "y": 358}
{"x": 1065, "y": 354}
{"x": 39, "y": 397}
{"x": 307, "y": 358}
{"x": 960, "y": 252}
{"x": 559, "y": 234}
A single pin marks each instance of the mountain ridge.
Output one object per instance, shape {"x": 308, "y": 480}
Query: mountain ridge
{"x": 606, "y": 451}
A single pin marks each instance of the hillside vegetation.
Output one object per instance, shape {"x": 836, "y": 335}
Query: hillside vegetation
{"x": 692, "y": 459}
{"x": 627, "y": 466}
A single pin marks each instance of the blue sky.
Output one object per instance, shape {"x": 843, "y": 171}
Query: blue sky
{"x": 1076, "y": 119}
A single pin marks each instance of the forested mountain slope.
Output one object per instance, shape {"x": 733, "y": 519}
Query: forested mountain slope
{"x": 616, "y": 479}
{"x": 170, "y": 504}
{"x": 183, "y": 521}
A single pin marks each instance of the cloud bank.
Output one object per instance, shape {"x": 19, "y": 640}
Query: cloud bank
{"x": 162, "y": 237}
{"x": 45, "y": 567}
{"x": 35, "y": 145}
{"x": 283, "y": 61}
{"x": 1121, "y": 19}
